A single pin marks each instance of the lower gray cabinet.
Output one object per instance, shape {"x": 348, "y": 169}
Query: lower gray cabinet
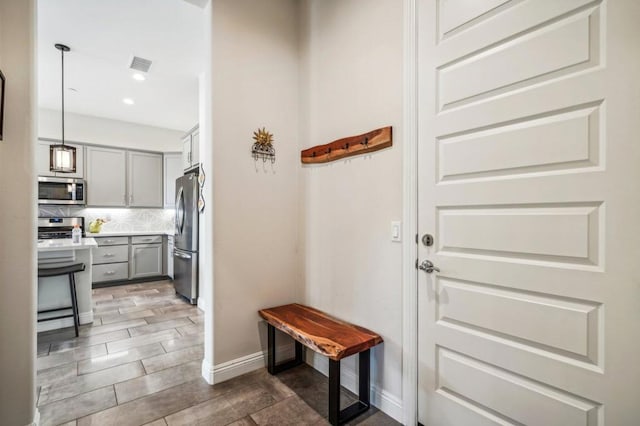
{"x": 169, "y": 258}
{"x": 110, "y": 272}
{"x": 127, "y": 258}
{"x": 110, "y": 259}
{"x": 145, "y": 260}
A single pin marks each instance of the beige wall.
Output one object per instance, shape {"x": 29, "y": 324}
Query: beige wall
{"x": 311, "y": 72}
{"x": 255, "y": 81}
{"x": 103, "y": 131}
{"x": 351, "y": 53}
{"x": 17, "y": 215}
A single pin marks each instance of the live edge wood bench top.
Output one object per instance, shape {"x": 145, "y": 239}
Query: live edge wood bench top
{"x": 322, "y": 333}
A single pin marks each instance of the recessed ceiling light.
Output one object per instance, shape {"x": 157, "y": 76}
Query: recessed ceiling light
{"x": 138, "y": 76}
{"x": 128, "y": 101}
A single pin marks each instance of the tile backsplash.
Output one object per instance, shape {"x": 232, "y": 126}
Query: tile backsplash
{"x": 118, "y": 220}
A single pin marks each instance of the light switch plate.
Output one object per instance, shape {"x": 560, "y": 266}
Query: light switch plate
{"x": 396, "y": 231}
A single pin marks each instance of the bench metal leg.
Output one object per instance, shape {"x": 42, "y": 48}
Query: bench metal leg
{"x": 272, "y": 366}
{"x": 334, "y": 392}
{"x": 337, "y": 416}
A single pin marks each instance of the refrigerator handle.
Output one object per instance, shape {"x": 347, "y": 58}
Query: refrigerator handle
{"x": 180, "y": 211}
{"x": 181, "y": 255}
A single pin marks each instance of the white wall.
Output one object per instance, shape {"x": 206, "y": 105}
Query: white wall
{"x": 103, "y": 131}
{"x": 255, "y": 84}
{"x": 206, "y": 225}
{"x": 17, "y": 215}
{"x": 351, "y": 66}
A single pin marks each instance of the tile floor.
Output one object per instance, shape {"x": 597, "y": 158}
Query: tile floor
{"x": 139, "y": 364}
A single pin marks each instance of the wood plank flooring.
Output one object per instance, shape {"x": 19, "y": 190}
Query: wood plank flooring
{"x": 139, "y": 363}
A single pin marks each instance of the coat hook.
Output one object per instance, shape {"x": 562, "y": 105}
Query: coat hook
{"x": 313, "y": 154}
{"x": 329, "y": 150}
{"x": 366, "y": 141}
{"x": 346, "y": 146}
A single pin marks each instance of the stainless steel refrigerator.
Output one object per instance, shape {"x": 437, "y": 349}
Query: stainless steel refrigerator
{"x": 185, "y": 254}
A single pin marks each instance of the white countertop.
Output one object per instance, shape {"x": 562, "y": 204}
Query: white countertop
{"x": 65, "y": 244}
{"x": 127, "y": 233}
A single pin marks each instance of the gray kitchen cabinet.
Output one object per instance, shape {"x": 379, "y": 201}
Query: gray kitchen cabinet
{"x": 145, "y": 179}
{"x": 120, "y": 178}
{"x": 169, "y": 258}
{"x": 195, "y": 147}
{"x": 186, "y": 152}
{"x": 110, "y": 254}
{"x": 126, "y": 258}
{"x": 172, "y": 170}
{"x": 145, "y": 260}
{"x": 110, "y": 259}
{"x": 42, "y": 160}
{"x": 109, "y": 272}
{"x": 106, "y": 177}
{"x": 191, "y": 149}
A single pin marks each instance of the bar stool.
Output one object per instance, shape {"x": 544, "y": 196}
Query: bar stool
{"x": 69, "y": 270}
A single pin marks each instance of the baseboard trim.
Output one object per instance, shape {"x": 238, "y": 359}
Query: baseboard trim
{"x": 208, "y": 372}
{"x": 238, "y": 367}
{"x": 246, "y": 364}
{"x": 390, "y": 404}
{"x": 129, "y": 281}
{"x": 85, "y": 318}
{"x": 36, "y": 418}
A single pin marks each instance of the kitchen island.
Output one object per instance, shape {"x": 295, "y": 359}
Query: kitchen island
{"x": 53, "y": 292}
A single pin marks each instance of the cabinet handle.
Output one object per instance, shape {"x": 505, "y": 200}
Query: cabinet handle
{"x": 109, "y": 255}
{"x": 131, "y": 199}
{"x": 109, "y": 241}
{"x": 110, "y": 273}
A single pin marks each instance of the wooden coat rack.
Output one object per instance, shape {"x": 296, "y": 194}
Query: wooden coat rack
{"x": 347, "y": 147}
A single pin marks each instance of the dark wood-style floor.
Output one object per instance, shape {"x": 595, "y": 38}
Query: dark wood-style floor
{"x": 139, "y": 363}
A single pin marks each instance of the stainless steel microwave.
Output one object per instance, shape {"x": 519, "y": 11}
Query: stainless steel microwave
{"x": 56, "y": 190}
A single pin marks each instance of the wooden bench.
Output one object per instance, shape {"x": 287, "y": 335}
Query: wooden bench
{"x": 327, "y": 336}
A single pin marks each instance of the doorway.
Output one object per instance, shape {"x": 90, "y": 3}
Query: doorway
{"x": 526, "y": 180}
{"x": 159, "y": 71}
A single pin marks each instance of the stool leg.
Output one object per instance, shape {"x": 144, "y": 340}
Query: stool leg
{"x": 334, "y": 392}
{"x": 74, "y": 302}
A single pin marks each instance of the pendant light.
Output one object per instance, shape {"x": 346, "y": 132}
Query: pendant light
{"x": 62, "y": 158}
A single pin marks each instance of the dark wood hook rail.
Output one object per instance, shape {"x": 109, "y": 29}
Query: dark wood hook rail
{"x": 347, "y": 147}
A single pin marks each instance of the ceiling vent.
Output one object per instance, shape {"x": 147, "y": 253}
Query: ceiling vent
{"x": 140, "y": 64}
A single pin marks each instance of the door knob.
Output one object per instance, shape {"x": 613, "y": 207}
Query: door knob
{"x": 428, "y": 267}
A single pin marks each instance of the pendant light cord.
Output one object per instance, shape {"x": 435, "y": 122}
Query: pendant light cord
{"x": 62, "y": 53}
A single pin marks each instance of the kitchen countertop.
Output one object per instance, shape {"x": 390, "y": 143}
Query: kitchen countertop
{"x": 65, "y": 244}
{"x": 127, "y": 233}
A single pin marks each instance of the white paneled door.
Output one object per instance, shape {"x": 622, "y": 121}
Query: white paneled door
{"x": 529, "y": 183}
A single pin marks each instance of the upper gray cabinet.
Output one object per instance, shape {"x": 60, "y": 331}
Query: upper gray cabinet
{"x": 106, "y": 177}
{"x": 119, "y": 178}
{"x": 172, "y": 171}
{"x": 42, "y": 160}
{"x": 191, "y": 149}
{"x": 145, "y": 179}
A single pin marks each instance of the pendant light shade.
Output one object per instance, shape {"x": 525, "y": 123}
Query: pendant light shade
{"x": 62, "y": 158}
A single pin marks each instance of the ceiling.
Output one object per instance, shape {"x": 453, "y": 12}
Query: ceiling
{"x": 103, "y": 37}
